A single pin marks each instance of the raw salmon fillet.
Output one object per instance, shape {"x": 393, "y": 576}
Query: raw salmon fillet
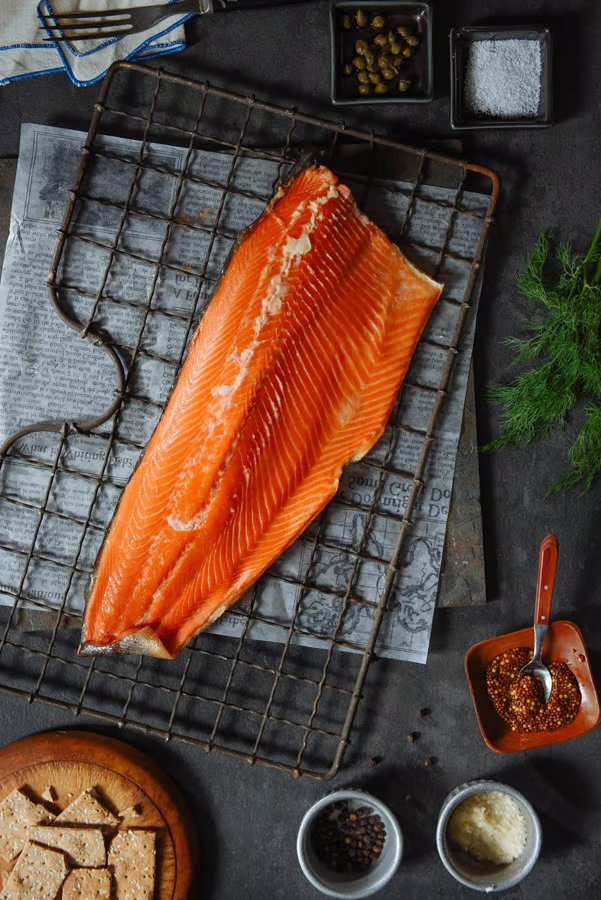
{"x": 292, "y": 373}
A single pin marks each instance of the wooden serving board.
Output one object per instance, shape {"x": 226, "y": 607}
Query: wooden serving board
{"x": 74, "y": 761}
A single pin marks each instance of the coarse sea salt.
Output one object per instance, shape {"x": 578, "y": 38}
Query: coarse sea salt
{"x": 503, "y": 78}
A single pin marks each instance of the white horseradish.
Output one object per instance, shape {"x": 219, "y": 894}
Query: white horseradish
{"x": 490, "y": 826}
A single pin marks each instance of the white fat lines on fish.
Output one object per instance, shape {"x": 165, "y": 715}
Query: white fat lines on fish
{"x": 276, "y": 291}
{"x": 293, "y": 250}
{"x": 194, "y": 523}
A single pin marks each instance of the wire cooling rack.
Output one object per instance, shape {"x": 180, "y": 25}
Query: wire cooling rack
{"x": 280, "y": 703}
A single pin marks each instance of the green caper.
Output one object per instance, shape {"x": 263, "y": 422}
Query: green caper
{"x": 374, "y": 78}
{"x": 381, "y": 88}
{"x": 412, "y": 40}
{"x": 388, "y": 74}
{"x": 384, "y": 62}
{"x": 395, "y": 48}
{"x": 347, "y": 23}
{"x": 404, "y": 85}
{"x": 361, "y": 18}
{"x": 407, "y": 52}
{"x": 348, "y": 70}
{"x": 369, "y": 56}
{"x": 359, "y": 63}
{"x": 363, "y": 78}
{"x": 404, "y": 31}
{"x": 373, "y": 67}
{"x": 364, "y": 89}
{"x": 398, "y": 61}
{"x": 378, "y": 22}
{"x": 391, "y": 37}
{"x": 380, "y": 40}
{"x": 361, "y": 47}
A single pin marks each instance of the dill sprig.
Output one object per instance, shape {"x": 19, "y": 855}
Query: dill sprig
{"x": 585, "y": 454}
{"x": 566, "y": 352}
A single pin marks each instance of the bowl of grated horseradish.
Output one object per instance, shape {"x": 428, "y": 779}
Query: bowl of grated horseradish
{"x": 488, "y": 836}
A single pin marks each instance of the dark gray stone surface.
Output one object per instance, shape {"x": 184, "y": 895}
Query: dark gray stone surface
{"x": 247, "y": 816}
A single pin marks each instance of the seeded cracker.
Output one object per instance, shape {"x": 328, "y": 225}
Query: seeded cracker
{"x": 132, "y": 855}
{"x": 82, "y": 846}
{"x": 38, "y": 875}
{"x": 132, "y": 812}
{"x": 88, "y": 810}
{"x": 17, "y": 812}
{"x": 88, "y": 884}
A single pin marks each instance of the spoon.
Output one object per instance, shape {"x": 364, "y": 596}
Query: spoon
{"x": 547, "y": 564}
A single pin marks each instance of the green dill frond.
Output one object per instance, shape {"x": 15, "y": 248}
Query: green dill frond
{"x": 563, "y": 351}
{"x": 564, "y": 255}
{"x": 584, "y": 457}
{"x": 534, "y": 403}
{"x": 592, "y": 260}
{"x": 570, "y": 271}
{"x": 530, "y": 281}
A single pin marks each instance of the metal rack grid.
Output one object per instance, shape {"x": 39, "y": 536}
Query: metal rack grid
{"x": 279, "y": 703}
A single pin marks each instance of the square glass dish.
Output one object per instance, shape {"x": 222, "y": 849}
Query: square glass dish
{"x": 462, "y": 39}
{"x": 564, "y": 643}
{"x": 417, "y": 69}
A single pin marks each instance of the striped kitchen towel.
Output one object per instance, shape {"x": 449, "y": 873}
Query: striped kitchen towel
{"x": 23, "y": 52}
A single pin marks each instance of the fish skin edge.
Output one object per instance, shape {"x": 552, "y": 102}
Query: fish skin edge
{"x": 144, "y": 641}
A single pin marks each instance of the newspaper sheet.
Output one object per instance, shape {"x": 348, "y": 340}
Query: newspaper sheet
{"x": 49, "y": 372}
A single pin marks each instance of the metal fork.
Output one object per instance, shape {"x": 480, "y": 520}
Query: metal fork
{"x": 108, "y": 23}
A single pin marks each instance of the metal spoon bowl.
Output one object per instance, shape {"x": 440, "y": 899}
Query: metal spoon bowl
{"x": 547, "y": 564}
{"x": 536, "y": 666}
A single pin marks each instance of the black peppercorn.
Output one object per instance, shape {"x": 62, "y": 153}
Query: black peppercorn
{"x": 348, "y": 840}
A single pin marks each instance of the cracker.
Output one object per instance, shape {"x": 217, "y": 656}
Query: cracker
{"x": 132, "y": 855}
{"x": 132, "y": 812}
{"x": 88, "y": 810}
{"x": 38, "y": 873}
{"x": 82, "y": 846}
{"x": 88, "y": 884}
{"x": 17, "y": 812}
{"x": 49, "y": 794}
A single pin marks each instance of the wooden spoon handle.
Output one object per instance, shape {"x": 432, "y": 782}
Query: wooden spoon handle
{"x": 547, "y": 564}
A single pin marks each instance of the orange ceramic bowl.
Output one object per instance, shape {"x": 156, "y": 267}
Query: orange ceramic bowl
{"x": 564, "y": 643}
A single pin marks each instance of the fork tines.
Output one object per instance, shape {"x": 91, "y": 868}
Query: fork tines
{"x": 74, "y": 25}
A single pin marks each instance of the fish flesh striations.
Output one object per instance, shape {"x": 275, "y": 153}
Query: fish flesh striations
{"x": 291, "y": 374}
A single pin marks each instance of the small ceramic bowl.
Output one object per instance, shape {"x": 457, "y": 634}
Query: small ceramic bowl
{"x": 564, "y": 643}
{"x": 419, "y": 69}
{"x": 461, "y": 39}
{"x": 468, "y": 870}
{"x": 353, "y": 885}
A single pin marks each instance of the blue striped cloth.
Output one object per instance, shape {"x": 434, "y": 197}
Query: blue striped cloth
{"x": 23, "y": 52}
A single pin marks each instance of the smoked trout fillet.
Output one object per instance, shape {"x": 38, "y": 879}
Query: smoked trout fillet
{"x": 291, "y": 374}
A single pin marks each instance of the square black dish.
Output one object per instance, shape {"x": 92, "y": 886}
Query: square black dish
{"x": 417, "y": 17}
{"x": 462, "y": 39}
